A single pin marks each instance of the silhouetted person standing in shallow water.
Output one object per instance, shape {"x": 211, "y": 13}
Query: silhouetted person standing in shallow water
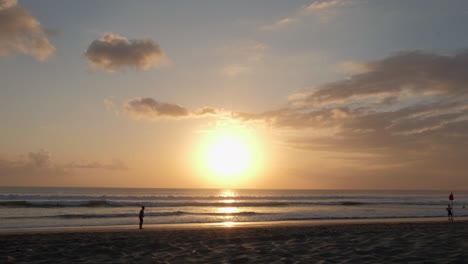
{"x": 449, "y": 213}
{"x": 142, "y": 214}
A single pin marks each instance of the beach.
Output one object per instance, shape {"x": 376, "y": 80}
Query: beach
{"x": 288, "y": 242}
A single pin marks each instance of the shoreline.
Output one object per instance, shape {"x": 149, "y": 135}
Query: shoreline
{"x": 196, "y": 226}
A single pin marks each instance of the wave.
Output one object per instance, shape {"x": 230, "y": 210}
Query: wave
{"x": 91, "y": 203}
{"x": 351, "y": 203}
{"x": 21, "y": 197}
{"x": 125, "y": 215}
{"x": 106, "y": 203}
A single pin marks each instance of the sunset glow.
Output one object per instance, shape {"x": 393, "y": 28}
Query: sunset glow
{"x": 234, "y": 94}
{"x": 229, "y": 155}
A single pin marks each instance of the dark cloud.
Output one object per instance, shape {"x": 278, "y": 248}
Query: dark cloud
{"x": 404, "y": 74}
{"x": 152, "y": 109}
{"x": 113, "y": 52}
{"x": 40, "y": 159}
{"x": 149, "y": 108}
{"x": 21, "y": 32}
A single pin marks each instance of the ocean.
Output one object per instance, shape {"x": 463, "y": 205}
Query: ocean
{"x": 25, "y": 207}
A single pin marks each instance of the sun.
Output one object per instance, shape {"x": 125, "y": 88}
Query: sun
{"x": 228, "y": 155}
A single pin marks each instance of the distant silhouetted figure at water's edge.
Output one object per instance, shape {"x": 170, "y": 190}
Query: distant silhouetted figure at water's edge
{"x": 449, "y": 213}
{"x": 142, "y": 214}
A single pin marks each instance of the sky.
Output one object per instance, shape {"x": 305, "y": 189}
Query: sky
{"x": 302, "y": 94}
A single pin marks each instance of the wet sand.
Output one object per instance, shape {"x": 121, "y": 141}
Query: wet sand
{"x": 287, "y": 242}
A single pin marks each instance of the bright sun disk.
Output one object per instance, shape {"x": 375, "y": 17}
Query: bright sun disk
{"x": 228, "y": 156}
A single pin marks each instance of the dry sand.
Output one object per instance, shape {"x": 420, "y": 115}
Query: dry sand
{"x": 412, "y": 242}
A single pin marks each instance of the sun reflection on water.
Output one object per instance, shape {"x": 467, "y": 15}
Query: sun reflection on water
{"x": 228, "y": 210}
{"x": 228, "y": 193}
{"x": 228, "y": 224}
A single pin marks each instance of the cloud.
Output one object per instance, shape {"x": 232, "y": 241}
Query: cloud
{"x": 29, "y": 169}
{"x": 352, "y": 67}
{"x": 113, "y": 52}
{"x": 41, "y": 160}
{"x": 39, "y": 168}
{"x": 323, "y": 10}
{"x": 319, "y": 5}
{"x": 403, "y": 74}
{"x": 152, "y": 109}
{"x": 207, "y": 111}
{"x": 407, "y": 113}
{"x": 408, "y": 109}
{"x": 149, "y": 108}
{"x": 21, "y": 32}
{"x": 115, "y": 164}
{"x": 278, "y": 24}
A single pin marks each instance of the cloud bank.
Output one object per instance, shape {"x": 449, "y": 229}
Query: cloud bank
{"x": 21, "y": 32}
{"x": 405, "y": 116}
{"x": 411, "y": 105}
{"x": 40, "y": 167}
{"x": 41, "y": 163}
{"x": 402, "y": 75}
{"x": 113, "y": 53}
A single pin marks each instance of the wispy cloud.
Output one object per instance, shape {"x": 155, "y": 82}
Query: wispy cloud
{"x": 115, "y": 164}
{"x": 279, "y": 24}
{"x": 318, "y": 5}
{"x": 21, "y": 32}
{"x": 113, "y": 52}
{"x": 322, "y": 9}
{"x": 352, "y": 67}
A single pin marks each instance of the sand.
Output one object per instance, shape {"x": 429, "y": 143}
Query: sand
{"x": 378, "y": 242}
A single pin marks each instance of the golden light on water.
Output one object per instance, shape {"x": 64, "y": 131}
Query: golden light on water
{"x": 228, "y": 194}
{"x": 228, "y": 224}
{"x": 228, "y": 210}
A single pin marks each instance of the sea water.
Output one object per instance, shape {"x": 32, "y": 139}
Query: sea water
{"x": 22, "y": 207}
